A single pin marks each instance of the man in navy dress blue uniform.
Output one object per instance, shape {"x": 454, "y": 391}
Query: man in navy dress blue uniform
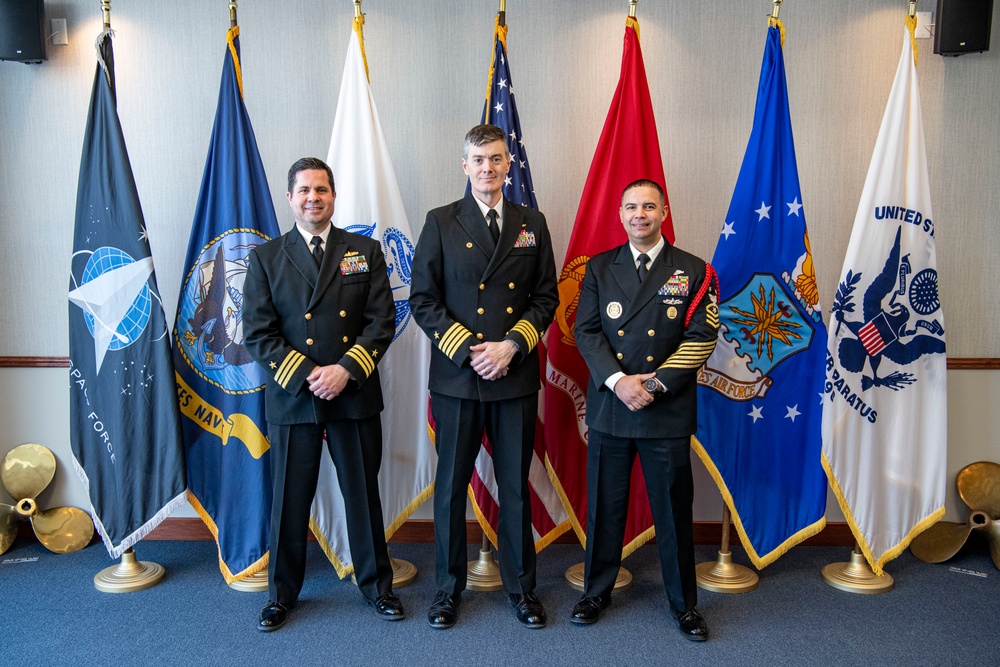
{"x": 484, "y": 291}
{"x": 647, "y": 319}
{"x": 318, "y": 317}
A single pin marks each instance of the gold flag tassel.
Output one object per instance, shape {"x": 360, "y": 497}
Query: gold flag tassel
{"x": 773, "y": 22}
{"x": 911, "y": 25}
{"x": 631, "y": 21}
{"x": 234, "y": 31}
{"x": 359, "y": 23}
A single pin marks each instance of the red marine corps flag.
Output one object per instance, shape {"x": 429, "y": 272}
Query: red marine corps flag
{"x": 627, "y": 151}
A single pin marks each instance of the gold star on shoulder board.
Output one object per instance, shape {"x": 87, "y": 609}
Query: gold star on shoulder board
{"x": 436, "y": 335}
{"x": 374, "y": 354}
{"x": 273, "y": 365}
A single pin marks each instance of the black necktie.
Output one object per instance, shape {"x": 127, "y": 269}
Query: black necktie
{"x": 317, "y": 244}
{"x": 643, "y": 258}
{"x": 491, "y": 222}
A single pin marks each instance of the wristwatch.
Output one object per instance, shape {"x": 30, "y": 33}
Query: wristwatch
{"x": 652, "y": 385}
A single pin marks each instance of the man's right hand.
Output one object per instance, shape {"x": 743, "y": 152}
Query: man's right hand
{"x": 630, "y": 391}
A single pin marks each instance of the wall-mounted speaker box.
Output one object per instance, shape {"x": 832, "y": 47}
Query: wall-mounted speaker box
{"x": 962, "y": 26}
{"x": 22, "y": 37}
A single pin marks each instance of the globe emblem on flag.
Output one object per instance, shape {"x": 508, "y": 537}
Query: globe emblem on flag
{"x": 134, "y": 322}
{"x": 209, "y": 330}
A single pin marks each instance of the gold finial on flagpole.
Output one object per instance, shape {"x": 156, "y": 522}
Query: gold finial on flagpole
{"x": 631, "y": 8}
{"x": 775, "y": 9}
{"x": 913, "y": 8}
{"x": 502, "y": 14}
{"x": 106, "y": 8}
{"x": 232, "y": 13}
{"x": 357, "y": 9}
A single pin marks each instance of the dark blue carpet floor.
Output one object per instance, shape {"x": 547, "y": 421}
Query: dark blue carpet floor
{"x": 53, "y": 615}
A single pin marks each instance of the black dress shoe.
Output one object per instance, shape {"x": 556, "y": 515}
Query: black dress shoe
{"x": 272, "y": 616}
{"x": 588, "y": 610}
{"x": 693, "y": 626}
{"x": 388, "y": 607}
{"x": 528, "y": 609}
{"x": 444, "y": 611}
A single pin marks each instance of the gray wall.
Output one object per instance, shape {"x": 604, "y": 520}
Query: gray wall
{"x": 428, "y": 63}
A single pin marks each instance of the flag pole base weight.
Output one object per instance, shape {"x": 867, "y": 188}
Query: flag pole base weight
{"x": 574, "y": 576}
{"x": 255, "y": 583}
{"x": 404, "y": 573}
{"x": 484, "y": 574}
{"x": 724, "y": 576}
{"x": 128, "y": 576}
{"x": 856, "y": 577}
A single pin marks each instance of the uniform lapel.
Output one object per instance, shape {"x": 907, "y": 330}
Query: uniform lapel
{"x": 624, "y": 273}
{"x": 512, "y": 223}
{"x": 659, "y": 270}
{"x": 474, "y": 224}
{"x": 300, "y": 257}
{"x": 336, "y": 247}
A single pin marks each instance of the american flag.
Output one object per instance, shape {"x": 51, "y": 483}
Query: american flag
{"x": 549, "y": 519}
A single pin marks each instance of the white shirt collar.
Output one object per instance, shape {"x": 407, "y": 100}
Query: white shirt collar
{"x": 484, "y": 209}
{"x": 652, "y": 253}
{"x": 308, "y": 236}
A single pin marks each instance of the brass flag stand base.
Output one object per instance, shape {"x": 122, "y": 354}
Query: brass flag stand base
{"x": 574, "y": 576}
{"x": 856, "y": 576}
{"x": 404, "y": 573}
{"x": 128, "y": 576}
{"x": 255, "y": 583}
{"x": 724, "y": 576}
{"x": 484, "y": 574}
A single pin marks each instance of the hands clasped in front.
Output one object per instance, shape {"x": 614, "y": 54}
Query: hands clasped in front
{"x": 491, "y": 360}
{"x": 326, "y": 382}
{"x": 632, "y": 393}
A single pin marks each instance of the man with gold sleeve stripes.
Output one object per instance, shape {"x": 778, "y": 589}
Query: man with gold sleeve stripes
{"x": 648, "y": 318}
{"x": 318, "y": 316}
{"x": 484, "y": 290}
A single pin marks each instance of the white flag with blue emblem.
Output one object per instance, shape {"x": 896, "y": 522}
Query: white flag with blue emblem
{"x": 369, "y": 203}
{"x": 885, "y": 401}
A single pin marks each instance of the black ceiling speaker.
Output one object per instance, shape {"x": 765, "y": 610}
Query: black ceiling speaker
{"x": 22, "y": 38}
{"x": 962, "y": 26}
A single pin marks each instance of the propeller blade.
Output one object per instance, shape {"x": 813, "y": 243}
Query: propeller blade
{"x": 8, "y": 526}
{"x": 941, "y": 541}
{"x": 27, "y": 470}
{"x": 63, "y": 529}
{"x": 993, "y": 538}
{"x": 979, "y": 486}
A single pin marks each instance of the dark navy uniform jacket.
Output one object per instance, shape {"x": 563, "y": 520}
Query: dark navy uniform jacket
{"x": 297, "y": 317}
{"x": 463, "y": 293}
{"x": 632, "y": 328}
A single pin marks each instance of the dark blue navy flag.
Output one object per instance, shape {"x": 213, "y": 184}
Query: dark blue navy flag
{"x": 759, "y": 408}
{"x": 124, "y": 426}
{"x": 220, "y": 388}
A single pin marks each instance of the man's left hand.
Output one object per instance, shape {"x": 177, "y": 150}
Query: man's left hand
{"x": 326, "y": 382}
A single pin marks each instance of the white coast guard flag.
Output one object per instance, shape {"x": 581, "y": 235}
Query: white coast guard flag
{"x": 885, "y": 401}
{"x": 369, "y": 203}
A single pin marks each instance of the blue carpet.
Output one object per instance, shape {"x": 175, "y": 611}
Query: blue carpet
{"x": 53, "y": 615}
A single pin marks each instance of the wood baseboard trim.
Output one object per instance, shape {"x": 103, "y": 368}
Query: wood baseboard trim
{"x": 421, "y": 531}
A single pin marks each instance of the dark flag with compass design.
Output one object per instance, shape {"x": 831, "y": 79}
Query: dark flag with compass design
{"x": 124, "y": 424}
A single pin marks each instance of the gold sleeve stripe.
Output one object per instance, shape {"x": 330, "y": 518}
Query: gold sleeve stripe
{"x": 690, "y": 355}
{"x": 360, "y": 355}
{"x": 529, "y": 332}
{"x": 453, "y": 339}
{"x": 288, "y": 367}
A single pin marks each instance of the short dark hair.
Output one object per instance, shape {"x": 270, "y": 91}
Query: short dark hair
{"x": 481, "y": 135}
{"x": 302, "y": 164}
{"x": 646, "y": 183}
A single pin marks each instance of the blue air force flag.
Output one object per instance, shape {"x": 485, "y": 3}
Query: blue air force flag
{"x": 885, "y": 401}
{"x": 369, "y": 203}
{"x": 759, "y": 417}
{"x": 219, "y": 387}
{"x": 124, "y": 426}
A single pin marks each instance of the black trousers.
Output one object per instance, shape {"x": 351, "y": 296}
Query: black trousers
{"x": 510, "y": 427}
{"x": 356, "y": 449}
{"x": 666, "y": 466}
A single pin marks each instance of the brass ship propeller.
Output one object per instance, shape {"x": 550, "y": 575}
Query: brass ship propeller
{"x": 26, "y": 471}
{"x": 979, "y": 487}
